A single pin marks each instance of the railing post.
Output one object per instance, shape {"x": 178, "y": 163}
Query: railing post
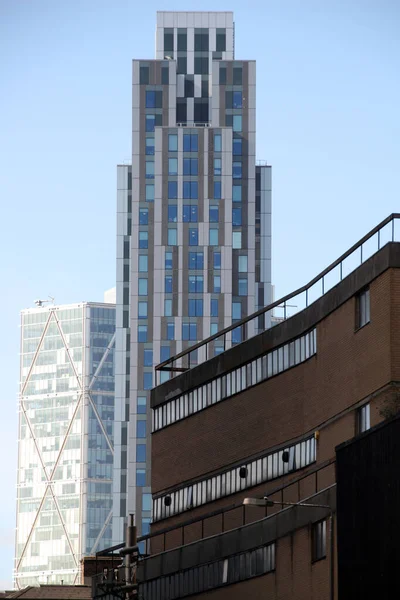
{"x": 306, "y": 297}
{"x": 379, "y": 239}
{"x": 341, "y": 270}
{"x": 323, "y": 286}
{"x": 284, "y": 310}
{"x": 361, "y": 253}
{"x": 392, "y": 230}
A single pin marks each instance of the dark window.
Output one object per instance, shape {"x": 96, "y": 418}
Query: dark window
{"x": 190, "y": 190}
{"x": 141, "y": 475}
{"x": 165, "y": 352}
{"x": 204, "y": 87}
{"x": 201, "y": 110}
{"x": 150, "y": 99}
{"x": 141, "y": 428}
{"x": 182, "y": 40}
{"x": 181, "y": 110}
{"x": 190, "y": 142}
{"x": 148, "y": 357}
{"x": 172, "y": 190}
{"x": 196, "y": 284}
{"x": 236, "y": 216}
{"x": 190, "y": 213}
{"x": 141, "y": 456}
{"x": 221, "y": 40}
{"x": 214, "y": 307}
{"x": 144, "y": 75}
{"x": 181, "y": 65}
{"x": 237, "y": 100}
{"x": 217, "y": 260}
{"x": 172, "y": 213}
{"x": 165, "y": 75}
{"x": 190, "y": 166}
{"x": 168, "y": 284}
{"x": 237, "y": 146}
{"x": 201, "y": 40}
{"x": 214, "y": 214}
{"x": 168, "y": 40}
{"x": 217, "y": 190}
{"x": 222, "y": 75}
{"x": 363, "y": 418}
{"x": 189, "y": 86}
{"x": 193, "y": 237}
{"x": 196, "y": 260}
{"x": 228, "y": 99}
{"x": 195, "y": 308}
{"x": 237, "y": 75}
{"x": 143, "y": 216}
{"x": 363, "y": 309}
{"x": 170, "y": 331}
{"x": 201, "y": 65}
{"x": 319, "y": 540}
{"x": 189, "y": 331}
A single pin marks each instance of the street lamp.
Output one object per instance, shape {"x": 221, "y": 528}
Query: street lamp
{"x": 265, "y": 502}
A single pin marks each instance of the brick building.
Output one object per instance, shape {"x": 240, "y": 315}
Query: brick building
{"x": 263, "y": 419}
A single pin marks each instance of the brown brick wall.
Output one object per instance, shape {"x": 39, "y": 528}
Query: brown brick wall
{"x": 349, "y": 366}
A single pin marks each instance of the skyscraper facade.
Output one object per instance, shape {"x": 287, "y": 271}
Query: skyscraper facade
{"x": 66, "y": 447}
{"x": 194, "y": 224}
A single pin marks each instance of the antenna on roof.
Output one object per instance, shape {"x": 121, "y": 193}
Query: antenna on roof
{"x": 40, "y": 303}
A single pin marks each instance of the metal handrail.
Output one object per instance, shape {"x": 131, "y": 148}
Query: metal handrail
{"x": 168, "y": 365}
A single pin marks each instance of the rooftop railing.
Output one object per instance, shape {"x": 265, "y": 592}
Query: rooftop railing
{"x": 387, "y": 231}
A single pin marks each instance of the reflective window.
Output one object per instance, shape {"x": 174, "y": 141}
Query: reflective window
{"x": 172, "y": 237}
{"x": 217, "y": 260}
{"x": 143, "y": 263}
{"x": 189, "y": 331}
{"x": 242, "y": 287}
{"x": 142, "y": 310}
{"x": 364, "y": 418}
{"x": 237, "y": 123}
{"x": 214, "y": 307}
{"x": 141, "y": 477}
{"x": 146, "y": 526}
{"x": 149, "y": 169}
{"x": 150, "y": 99}
{"x": 319, "y": 540}
{"x": 213, "y": 237}
{"x": 242, "y": 264}
{"x": 150, "y": 192}
{"x": 190, "y": 190}
{"x": 142, "y": 288}
{"x": 173, "y": 142}
{"x": 217, "y": 284}
{"x": 217, "y": 142}
{"x": 141, "y": 404}
{"x": 217, "y": 190}
{"x": 149, "y": 145}
{"x": 236, "y": 239}
{"x": 168, "y": 260}
{"x": 150, "y": 122}
{"x": 237, "y": 170}
{"x": 143, "y": 239}
{"x": 236, "y": 193}
{"x": 146, "y": 502}
{"x": 236, "y": 311}
{"x": 172, "y": 166}
{"x": 195, "y": 308}
{"x": 196, "y": 284}
{"x": 217, "y": 166}
{"x": 363, "y": 308}
{"x": 142, "y": 333}
{"x": 213, "y": 328}
{"x": 165, "y": 353}
{"x": 168, "y": 308}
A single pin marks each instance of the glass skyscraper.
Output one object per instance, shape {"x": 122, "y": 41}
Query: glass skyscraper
{"x": 66, "y": 440}
{"x": 194, "y": 224}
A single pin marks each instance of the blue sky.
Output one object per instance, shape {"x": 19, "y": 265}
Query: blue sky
{"x": 328, "y": 121}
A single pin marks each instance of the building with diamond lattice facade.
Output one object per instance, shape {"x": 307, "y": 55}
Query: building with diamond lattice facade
{"x": 66, "y": 445}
